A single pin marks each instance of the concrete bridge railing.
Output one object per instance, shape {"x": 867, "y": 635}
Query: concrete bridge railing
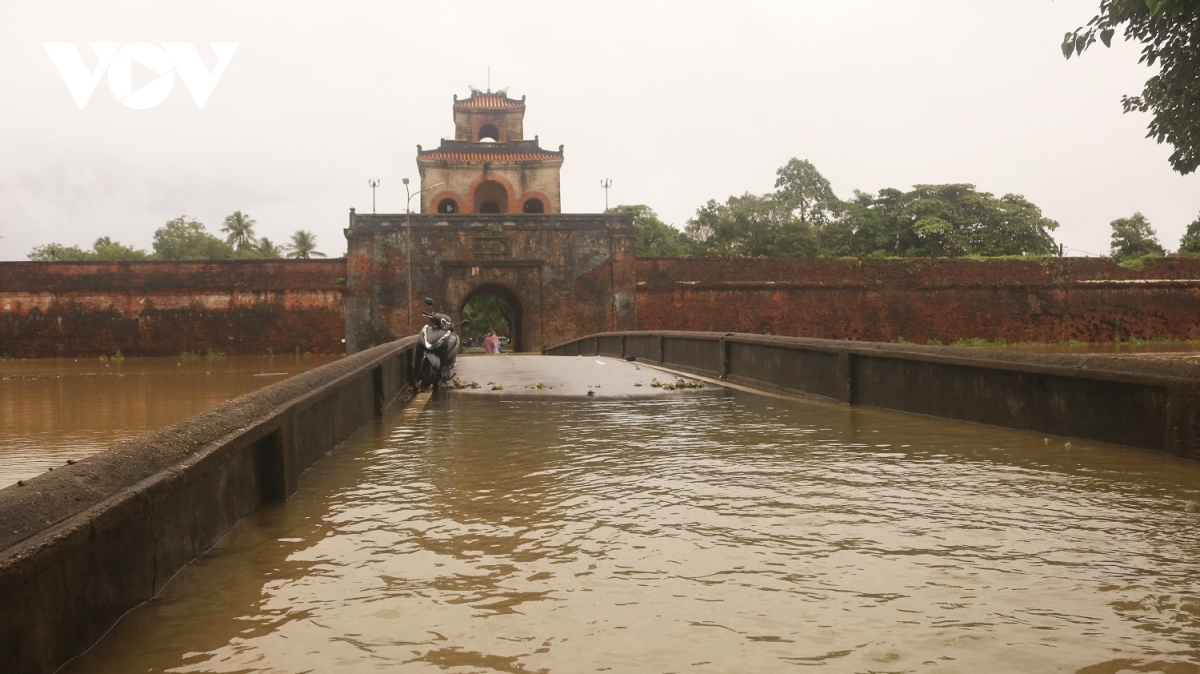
{"x": 1139, "y": 402}
{"x": 83, "y": 544}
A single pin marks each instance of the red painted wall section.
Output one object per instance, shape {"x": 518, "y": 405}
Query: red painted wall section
{"x": 1084, "y": 299}
{"x": 165, "y": 308}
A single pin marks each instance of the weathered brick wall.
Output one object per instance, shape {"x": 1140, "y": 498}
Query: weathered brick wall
{"x": 1054, "y": 300}
{"x": 165, "y": 308}
{"x": 568, "y": 287}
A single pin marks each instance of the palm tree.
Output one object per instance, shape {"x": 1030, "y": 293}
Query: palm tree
{"x": 304, "y": 245}
{"x": 240, "y": 229}
{"x": 266, "y": 248}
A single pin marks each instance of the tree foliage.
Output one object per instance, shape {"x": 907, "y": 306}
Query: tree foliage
{"x": 800, "y": 187}
{"x": 751, "y": 226}
{"x": 103, "y": 250}
{"x": 487, "y": 313}
{"x": 266, "y": 249}
{"x": 1189, "y": 244}
{"x": 655, "y": 238}
{"x": 240, "y": 231}
{"x": 304, "y": 246}
{"x": 952, "y": 220}
{"x": 1133, "y": 237}
{"x": 186, "y": 238}
{"x": 803, "y": 218}
{"x": 1169, "y": 31}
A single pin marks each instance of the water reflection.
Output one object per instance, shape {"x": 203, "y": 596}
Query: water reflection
{"x": 56, "y": 409}
{"x": 710, "y": 531}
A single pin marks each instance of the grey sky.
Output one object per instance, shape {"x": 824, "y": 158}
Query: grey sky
{"x": 677, "y": 103}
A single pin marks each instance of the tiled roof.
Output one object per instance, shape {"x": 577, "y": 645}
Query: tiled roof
{"x": 489, "y": 101}
{"x": 477, "y": 157}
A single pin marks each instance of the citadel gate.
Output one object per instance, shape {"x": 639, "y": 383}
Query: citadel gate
{"x": 490, "y": 221}
{"x": 564, "y": 275}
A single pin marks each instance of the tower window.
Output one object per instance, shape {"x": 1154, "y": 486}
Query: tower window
{"x": 447, "y": 206}
{"x": 534, "y": 205}
{"x": 489, "y": 131}
{"x": 491, "y": 197}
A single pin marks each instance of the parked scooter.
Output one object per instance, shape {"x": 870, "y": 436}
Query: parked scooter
{"x": 437, "y": 349}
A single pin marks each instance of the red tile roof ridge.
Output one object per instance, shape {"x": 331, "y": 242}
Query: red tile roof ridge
{"x": 489, "y": 156}
{"x": 489, "y": 101}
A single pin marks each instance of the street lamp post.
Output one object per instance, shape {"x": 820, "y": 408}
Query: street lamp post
{"x": 408, "y": 242}
{"x": 373, "y": 184}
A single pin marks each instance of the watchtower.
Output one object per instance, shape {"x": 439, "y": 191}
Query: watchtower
{"x": 489, "y": 167}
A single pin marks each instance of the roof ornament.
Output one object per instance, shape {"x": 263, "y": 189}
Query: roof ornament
{"x": 474, "y": 90}
{"x": 503, "y": 92}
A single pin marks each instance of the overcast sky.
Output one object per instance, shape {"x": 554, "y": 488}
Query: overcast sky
{"x": 675, "y": 102}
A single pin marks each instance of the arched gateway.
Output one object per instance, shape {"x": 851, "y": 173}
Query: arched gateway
{"x": 490, "y": 219}
{"x": 571, "y": 275}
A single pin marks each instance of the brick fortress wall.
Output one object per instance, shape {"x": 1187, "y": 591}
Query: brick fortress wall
{"x": 165, "y": 308}
{"x": 1056, "y": 300}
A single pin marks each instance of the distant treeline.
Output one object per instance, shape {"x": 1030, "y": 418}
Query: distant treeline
{"x": 804, "y": 218}
{"x": 185, "y": 238}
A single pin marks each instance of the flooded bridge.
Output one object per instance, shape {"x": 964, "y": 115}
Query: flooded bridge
{"x": 593, "y": 513}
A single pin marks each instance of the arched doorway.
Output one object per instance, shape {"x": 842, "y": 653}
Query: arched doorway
{"x": 489, "y": 132}
{"x": 534, "y": 205}
{"x": 494, "y": 308}
{"x": 491, "y": 197}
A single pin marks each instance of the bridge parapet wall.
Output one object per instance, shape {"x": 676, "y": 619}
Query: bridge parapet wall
{"x": 1127, "y": 401}
{"x": 83, "y": 544}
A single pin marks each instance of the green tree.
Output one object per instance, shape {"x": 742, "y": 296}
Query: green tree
{"x": 1169, "y": 31}
{"x": 56, "y": 252}
{"x": 655, "y": 238}
{"x": 487, "y": 312}
{"x": 952, "y": 220}
{"x": 750, "y": 226}
{"x": 265, "y": 248}
{"x": 1189, "y": 244}
{"x": 1133, "y": 237}
{"x": 107, "y": 249}
{"x": 800, "y": 187}
{"x": 240, "y": 230}
{"x": 185, "y": 238}
{"x": 104, "y": 249}
{"x": 304, "y": 246}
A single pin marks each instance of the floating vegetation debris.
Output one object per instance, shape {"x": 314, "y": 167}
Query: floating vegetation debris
{"x": 456, "y": 384}
{"x": 539, "y": 386}
{"x": 677, "y": 385}
{"x": 498, "y": 387}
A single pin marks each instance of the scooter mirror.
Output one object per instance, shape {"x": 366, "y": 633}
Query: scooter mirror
{"x": 430, "y": 302}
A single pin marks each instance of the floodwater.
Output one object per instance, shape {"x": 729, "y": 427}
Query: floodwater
{"x": 703, "y": 531}
{"x": 56, "y": 409}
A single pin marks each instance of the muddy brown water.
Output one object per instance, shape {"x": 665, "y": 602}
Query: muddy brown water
{"x": 708, "y": 531}
{"x": 56, "y": 409}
